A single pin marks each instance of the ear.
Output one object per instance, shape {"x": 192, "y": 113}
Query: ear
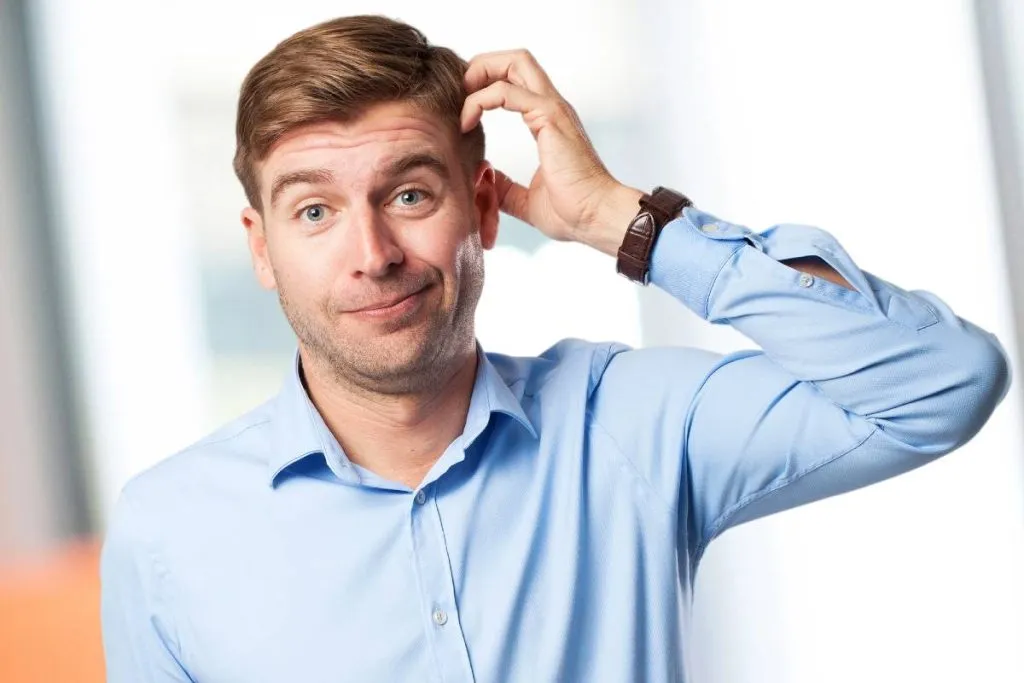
{"x": 485, "y": 202}
{"x": 255, "y": 230}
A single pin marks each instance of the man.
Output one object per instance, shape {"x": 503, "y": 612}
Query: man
{"x": 412, "y": 508}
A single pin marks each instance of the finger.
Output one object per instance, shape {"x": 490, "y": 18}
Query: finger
{"x": 518, "y": 67}
{"x": 501, "y": 95}
{"x": 512, "y": 197}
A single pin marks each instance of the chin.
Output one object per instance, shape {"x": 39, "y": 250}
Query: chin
{"x": 403, "y": 363}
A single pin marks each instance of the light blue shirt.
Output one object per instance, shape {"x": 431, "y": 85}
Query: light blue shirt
{"x": 558, "y": 537}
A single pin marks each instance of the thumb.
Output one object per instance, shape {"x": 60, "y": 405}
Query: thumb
{"x": 512, "y": 197}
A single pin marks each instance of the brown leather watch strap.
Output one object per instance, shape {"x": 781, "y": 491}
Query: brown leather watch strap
{"x": 656, "y": 210}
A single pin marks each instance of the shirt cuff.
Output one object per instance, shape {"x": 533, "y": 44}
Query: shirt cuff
{"x": 690, "y": 253}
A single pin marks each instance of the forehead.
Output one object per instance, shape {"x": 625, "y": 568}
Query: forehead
{"x": 362, "y": 145}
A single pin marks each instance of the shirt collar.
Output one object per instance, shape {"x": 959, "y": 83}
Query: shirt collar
{"x": 298, "y": 432}
{"x": 492, "y": 394}
{"x": 295, "y": 434}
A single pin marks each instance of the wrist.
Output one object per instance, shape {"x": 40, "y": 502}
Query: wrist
{"x": 606, "y": 230}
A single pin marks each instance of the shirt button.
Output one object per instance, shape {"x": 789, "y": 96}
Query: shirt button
{"x": 806, "y": 280}
{"x": 710, "y": 227}
{"x": 421, "y": 497}
{"x": 440, "y": 617}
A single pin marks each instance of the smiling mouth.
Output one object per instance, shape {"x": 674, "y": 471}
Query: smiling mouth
{"x": 391, "y": 306}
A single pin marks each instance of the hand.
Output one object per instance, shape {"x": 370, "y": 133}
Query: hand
{"x": 572, "y": 196}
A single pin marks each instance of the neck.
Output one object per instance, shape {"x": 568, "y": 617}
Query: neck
{"x": 398, "y": 437}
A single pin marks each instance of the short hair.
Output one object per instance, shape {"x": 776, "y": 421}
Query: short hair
{"x": 335, "y": 71}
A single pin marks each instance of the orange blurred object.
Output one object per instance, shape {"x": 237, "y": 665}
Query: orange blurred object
{"x": 50, "y": 618}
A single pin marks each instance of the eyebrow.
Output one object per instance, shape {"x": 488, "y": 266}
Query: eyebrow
{"x": 323, "y": 176}
{"x": 309, "y": 176}
{"x": 415, "y": 160}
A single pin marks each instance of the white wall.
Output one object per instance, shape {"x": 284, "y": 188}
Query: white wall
{"x": 124, "y": 243}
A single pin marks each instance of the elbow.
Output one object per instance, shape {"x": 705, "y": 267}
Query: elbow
{"x": 992, "y": 376}
{"x": 956, "y": 399}
{"x": 981, "y": 379}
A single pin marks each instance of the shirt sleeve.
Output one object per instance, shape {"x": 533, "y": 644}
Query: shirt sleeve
{"x": 849, "y": 387}
{"x": 137, "y": 635}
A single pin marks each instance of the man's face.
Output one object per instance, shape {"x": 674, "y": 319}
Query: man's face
{"x": 372, "y": 234}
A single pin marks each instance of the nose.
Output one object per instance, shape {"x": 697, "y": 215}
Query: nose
{"x": 371, "y": 245}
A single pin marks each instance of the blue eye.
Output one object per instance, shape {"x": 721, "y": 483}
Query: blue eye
{"x": 314, "y": 213}
{"x": 410, "y": 197}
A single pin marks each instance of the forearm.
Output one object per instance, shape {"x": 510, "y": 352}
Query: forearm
{"x": 901, "y": 359}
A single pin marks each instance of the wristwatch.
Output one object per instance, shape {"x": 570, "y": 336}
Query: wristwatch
{"x": 656, "y": 210}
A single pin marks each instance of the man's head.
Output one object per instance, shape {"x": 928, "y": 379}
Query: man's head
{"x": 362, "y": 192}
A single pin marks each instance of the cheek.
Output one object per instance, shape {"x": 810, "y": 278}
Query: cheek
{"x": 452, "y": 257}
{"x": 469, "y": 260}
{"x": 443, "y": 244}
{"x": 304, "y": 275}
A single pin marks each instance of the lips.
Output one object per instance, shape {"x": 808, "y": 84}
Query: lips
{"x": 387, "y": 303}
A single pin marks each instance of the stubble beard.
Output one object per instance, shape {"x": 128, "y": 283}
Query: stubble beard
{"x": 377, "y": 366}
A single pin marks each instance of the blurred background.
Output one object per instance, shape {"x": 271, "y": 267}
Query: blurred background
{"x": 131, "y": 324}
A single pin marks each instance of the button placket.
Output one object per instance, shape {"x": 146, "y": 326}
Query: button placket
{"x": 437, "y": 596}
